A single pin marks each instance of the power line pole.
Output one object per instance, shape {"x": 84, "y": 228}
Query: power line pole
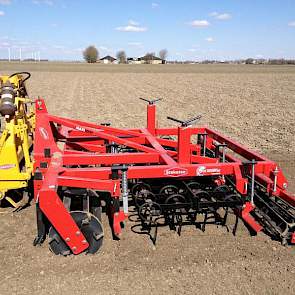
{"x": 9, "y": 55}
{"x": 20, "y": 55}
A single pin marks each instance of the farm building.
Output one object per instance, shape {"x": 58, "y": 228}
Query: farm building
{"x": 108, "y": 60}
{"x": 134, "y": 61}
{"x": 151, "y": 59}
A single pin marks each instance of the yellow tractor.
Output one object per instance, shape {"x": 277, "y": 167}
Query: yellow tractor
{"x": 16, "y": 138}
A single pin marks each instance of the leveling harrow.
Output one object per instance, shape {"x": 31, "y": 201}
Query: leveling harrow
{"x": 170, "y": 176}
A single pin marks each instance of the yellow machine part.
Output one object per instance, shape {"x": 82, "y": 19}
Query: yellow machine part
{"x": 16, "y": 140}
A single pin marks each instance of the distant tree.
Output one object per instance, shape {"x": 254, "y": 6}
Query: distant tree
{"x": 121, "y": 57}
{"x": 163, "y": 54}
{"x": 90, "y": 54}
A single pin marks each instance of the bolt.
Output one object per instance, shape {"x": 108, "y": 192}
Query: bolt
{"x": 74, "y": 248}
{"x": 84, "y": 242}
{"x": 78, "y": 233}
{"x": 68, "y": 239}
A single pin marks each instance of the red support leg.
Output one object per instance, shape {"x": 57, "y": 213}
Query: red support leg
{"x": 184, "y": 138}
{"x": 151, "y": 118}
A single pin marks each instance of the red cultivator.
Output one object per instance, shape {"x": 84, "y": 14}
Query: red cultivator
{"x": 176, "y": 176}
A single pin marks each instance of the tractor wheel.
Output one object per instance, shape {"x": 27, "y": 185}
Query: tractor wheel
{"x": 89, "y": 226}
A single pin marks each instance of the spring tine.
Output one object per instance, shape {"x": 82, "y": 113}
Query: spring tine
{"x": 236, "y": 225}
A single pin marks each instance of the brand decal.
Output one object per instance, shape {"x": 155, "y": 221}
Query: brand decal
{"x": 7, "y": 166}
{"x": 79, "y": 128}
{"x": 43, "y": 133}
{"x": 203, "y": 171}
{"x": 175, "y": 172}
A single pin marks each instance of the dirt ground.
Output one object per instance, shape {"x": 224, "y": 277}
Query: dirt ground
{"x": 253, "y": 104}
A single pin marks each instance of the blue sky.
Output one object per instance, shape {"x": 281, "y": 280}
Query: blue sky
{"x": 191, "y": 29}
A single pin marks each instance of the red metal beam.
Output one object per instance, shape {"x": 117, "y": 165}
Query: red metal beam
{"x": 102, "y": 134}
{"x": 110, "y": 159}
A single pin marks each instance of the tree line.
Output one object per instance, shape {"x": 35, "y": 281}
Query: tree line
{"x": 91, "y": 55}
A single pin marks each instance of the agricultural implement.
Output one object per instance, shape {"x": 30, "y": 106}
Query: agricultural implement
{"x": 16, "y": 139}
{"x": 166, "y": 176}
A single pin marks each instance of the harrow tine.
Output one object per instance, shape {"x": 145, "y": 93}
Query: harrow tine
{"x": 153, "y": 237}
{"x": 236, "y": 225}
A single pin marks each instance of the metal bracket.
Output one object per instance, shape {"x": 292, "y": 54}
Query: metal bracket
{"x": 151, "y": 101}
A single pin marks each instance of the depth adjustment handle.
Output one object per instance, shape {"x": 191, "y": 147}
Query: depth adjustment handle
{"x": 187, "y": 122}
{"x": 150, "y": 101}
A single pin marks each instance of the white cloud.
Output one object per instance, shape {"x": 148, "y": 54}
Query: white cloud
{"x": 131, "y": 29}
{"x": 5, "y": 2}
{"x": 47, "y": 2}
{"x": 223, "y": 16}
{"x": 192, "y": 50}
{"x": 132, "y": 26}
{"x": 291, "y": 24}
{"x": 4, "y": 44}
{"x": 133, "y": 23}
{"x": 209, "y": 39}
{"x": 199, "y": 23}
{"x": 155, "y": 5}
{"x": 214, "y": 13}
{"x": 2, "y": 13}
{"x": 220, "y": 16}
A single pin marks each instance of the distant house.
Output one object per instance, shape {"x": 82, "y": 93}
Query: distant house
{"x": 108, "y": 60}
{"x": 151, "y": 59}
{"x": 134, "y": 61}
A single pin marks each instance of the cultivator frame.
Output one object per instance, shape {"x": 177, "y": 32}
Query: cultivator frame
{"x": 102, "y": 160}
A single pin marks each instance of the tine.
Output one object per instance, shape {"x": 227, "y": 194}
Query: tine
{"x": 193, "y": 119}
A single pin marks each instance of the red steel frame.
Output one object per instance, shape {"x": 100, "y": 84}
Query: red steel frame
{"x": 62, "y": 143}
